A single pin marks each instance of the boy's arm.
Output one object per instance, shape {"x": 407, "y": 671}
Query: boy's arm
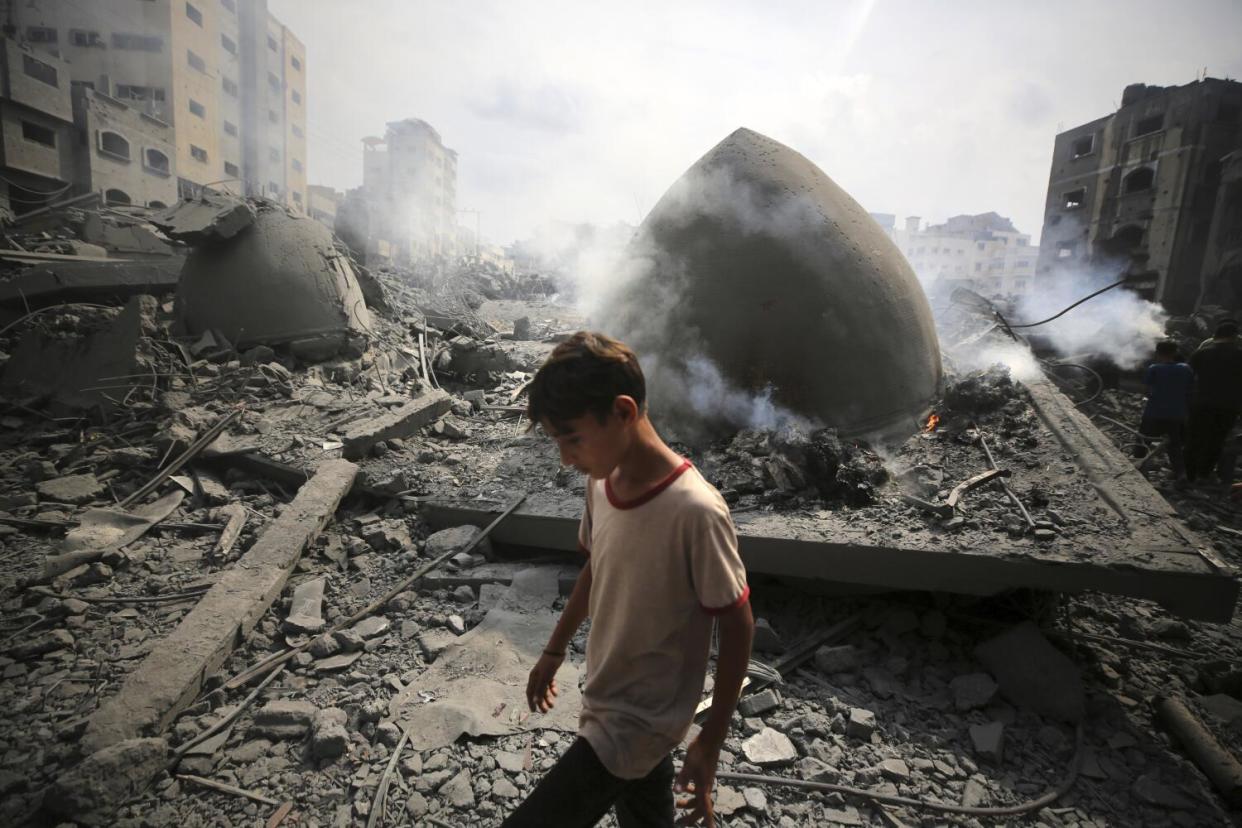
{"x": 736, "y": 629}
{"x": 541, "y": 685}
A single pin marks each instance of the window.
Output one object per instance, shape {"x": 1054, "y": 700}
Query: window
{"x": 229, "y": 45}
{"x": 297, "y": 96}
{"x": 1073, "y": 199}
{"x": 273, "y": 81}
{"x": 272, "y": 44}
{"x": 295, "y": 63}
{"x": 39, "y": 70}
{"x": 297, "y": 197}
{"x": 230, "y": 86}
{"x": 142, "y": 43}
{"x": 230, "y": 5}
{"x": 297, "y": 165}
{"x": 117, "y": 197}
{"x": 273, "y": 154}
{"x": 197, "y": 108}
{"x": 139, "y": 93}
{"x": 156, "y": 161}
{"x": 42, "y": 34}
{"x": 159, "y": 205}
{"x": 198, "y": 153}
{"x": 194, "y": 14}
{"x": 231, "y": 169}
{"x": 1082, "y": 146}
{"x": 195, "y": 61}
{"x": 1065, "y": 249}
{"x": 38, "y": 134}
{"x": 272, "y": 116}
{"x": 1139, "y": 180}
{"x": 114, "y": 144}
{"x": 297, "y": 130}
{"x": 1149, "y": 125}
{"x": 978, "y": 266}
{"x": 85, "y": 39}
{"x": 273, "y": 187}
{"x": 230, "y": 128}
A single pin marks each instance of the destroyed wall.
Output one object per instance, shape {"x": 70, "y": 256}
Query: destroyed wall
{"x": 758, "y": 293}
{"x": 127, "y": 156}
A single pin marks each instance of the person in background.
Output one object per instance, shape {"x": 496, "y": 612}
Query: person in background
{"x": 1216, "y": 400}
{"x": 1169, "y": 383}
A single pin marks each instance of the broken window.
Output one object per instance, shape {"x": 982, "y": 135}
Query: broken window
{"x": 195, "y": 61}
{"x": 198, "y": 153}
{"x": 295, "y": 63}
{"x": 42, "y": 34}
{"x": 40, "y": 71}
{"x": 117, "y": 197}
{"x": 194, "y": 14}
{"x": 114, "y": 144}
{"x": 85, "y": 39}
{"x": 139, "y": 93}
{"x": 38, "y": 134}
{"x": 273, "y": 187}
{"x": 1149, "y": 125}
{"x": 230, "y": 86}
{"x": 230, "y": 128}
{"x": 231, "y": 169}
{"x": 1073, "y": 199}
{"x": 156, "y": 161}
{"x": 1139, "y": 180}
{"x": 273, "y": 81}
{"x": 197, "y": 108}
{"x": 228, "y": 44}
{"x": 297, "y": 96}
{"x": 1066, "y": 249}
{"x": 140, "y": 42}
{"x": 1082, "y": 146}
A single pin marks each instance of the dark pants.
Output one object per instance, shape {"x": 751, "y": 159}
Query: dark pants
{"x": 1209, "y": 428}
{"x": 1153, "y": 429}
{"x": 578, "y": 791}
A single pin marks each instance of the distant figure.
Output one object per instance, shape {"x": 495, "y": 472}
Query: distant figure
{"x": 1168, "y": 404}
{"x": 1216, "y": 400}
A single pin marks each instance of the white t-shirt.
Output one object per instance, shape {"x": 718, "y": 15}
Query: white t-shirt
{"x": 661, "y": 566}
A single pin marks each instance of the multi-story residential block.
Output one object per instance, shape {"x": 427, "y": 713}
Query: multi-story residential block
{"x": 127, "y": 155}
{"x": 323, "y": 203}
{"x": 409, "y": 179}
{"x": 984, "y": 253}
{"x": 225, "y": 74}
{"x": 36, "y": 125}
{"x": 1152, "y": 191}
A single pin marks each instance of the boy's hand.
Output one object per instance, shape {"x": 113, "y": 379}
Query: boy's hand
{"x": 698, "y": 777}
{"x": 541, "y": 686}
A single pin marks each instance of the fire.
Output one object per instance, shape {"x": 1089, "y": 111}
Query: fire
{"x": 932, "y": 422}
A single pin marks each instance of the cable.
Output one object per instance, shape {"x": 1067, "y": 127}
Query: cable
{"x": 1121, "y": 281}
{"x": 49, "y": 193}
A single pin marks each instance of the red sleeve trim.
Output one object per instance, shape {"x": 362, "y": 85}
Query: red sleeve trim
{"x": 742, "y": 599}
{"x": 584, "y": 550}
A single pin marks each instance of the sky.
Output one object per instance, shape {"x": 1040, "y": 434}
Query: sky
{"x": 587, "y": 112}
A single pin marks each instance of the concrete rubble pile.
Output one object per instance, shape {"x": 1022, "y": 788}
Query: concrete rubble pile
{"x": 263, "y": 497}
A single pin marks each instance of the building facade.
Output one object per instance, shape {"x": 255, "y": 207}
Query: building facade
{"x": 227, "y": 76}
{"x": 984, "y": 253}
{"x": 409, "y": 179}
{"x": 127, "y": 155}
{"x": 36, "y": 127}
{"x": 1148, "y": 191}
{"x": 322, "y": 204}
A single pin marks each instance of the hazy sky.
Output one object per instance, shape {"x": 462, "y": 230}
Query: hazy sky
{"x": 586, "y": 111}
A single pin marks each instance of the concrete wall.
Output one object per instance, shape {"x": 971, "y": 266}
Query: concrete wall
{"x": 322, "y": 204}
{"x": 139, "y": 176}
{"x": 36, "y": 146}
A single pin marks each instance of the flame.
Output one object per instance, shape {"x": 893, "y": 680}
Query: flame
{"x": 932, "y": 422}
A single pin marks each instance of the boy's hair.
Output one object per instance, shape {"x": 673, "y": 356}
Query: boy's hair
{"x": 585, "y": 374}
{"x": 1227, "y": 327}
{"x": 1166, "y": 348}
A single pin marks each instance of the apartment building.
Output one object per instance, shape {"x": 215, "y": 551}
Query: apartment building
{"x": 323, "y": 203}
{"x": 409, "y": 179}
{"x": 982, "y": 252}
{"x": 36, "y": 126}
{"x": 226, "y": 75}
{"x": 1152, "y": 190}
{"x": 127, "y": 155}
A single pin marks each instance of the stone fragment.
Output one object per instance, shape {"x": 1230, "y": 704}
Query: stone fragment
{"x": 881, "y": 681}
{"x": 456, "y": 539}
{"x": 895, "y": 770}
{"x": 456, "y": 625}
{"x": 42, "y": 643}
{"x": 1034, "y": 674}
{"x": 1170, "y": 629}
{"x": 75, "y": 488}
{"x": 759, "y": 703}
{"x": 974, "y": 794}
{"x": 416, "y": 805}
{"x": 458, "y": 790}
{"x": 464, "y": 595}
{"x": 360, "y": 436}
{"x": 306, "y": 609}
{"x": 842, "y": 659}
{"x": 510, "y": 762}
{"x": 504, "y": 789}
{"x": 250, "y": 751}
{"x": 756, "y": 800}
{"x": 972, "y": 691}
{"x": 765, "y": 638}
{"x": 432, "y": 642}
{"x": 349, "y": 640}
{"x": 768, "y": 748}
{"x": 861, "y": 724}
{"x": 1151, "y": 790}
{"x": 284, "y": 719}
{"x": 1224, "y": 707}
{"x": 90, "y": 792}
{"x": 372, "y": 626}
{"x": 728, "y": 800}
{"x": 329, "y": 738}
{"x": 388, "y": 733}
{"x": 989, "y": 741}
{"x": 324, "y": 646}
{"x": 335, "y": 663}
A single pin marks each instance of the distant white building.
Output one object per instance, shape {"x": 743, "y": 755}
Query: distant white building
{"x": 984, "y": 253}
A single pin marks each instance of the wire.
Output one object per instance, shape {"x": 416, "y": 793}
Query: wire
{"x": 1121, "y": 281}
{"x": 49, "y": 193}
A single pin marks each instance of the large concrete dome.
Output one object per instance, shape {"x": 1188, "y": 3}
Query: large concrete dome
{"x": 758, "y": 293}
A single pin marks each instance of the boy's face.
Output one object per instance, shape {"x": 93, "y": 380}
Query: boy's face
{"x": 593, "y": 447}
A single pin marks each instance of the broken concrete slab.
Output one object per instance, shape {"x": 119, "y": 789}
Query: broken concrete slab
{"x": 400, "y": 422}
{"x": 769, "y": 748}
{"x": 172, "y": 675}
{"x": 329, "y": 738}
{"x": 306, "y": 609}
{"x": 75, "y": 488}
{"x": 284, "y": 719}
{"x": 102, "y": 282}
{"x": 972, "y": 691}
{"x": 91, "y": 792}
{"x": 988, "y": 741}
{"x": 861, "y": 724}
{"x": 1034, "y": 674}
{"x": 205, "y": 219}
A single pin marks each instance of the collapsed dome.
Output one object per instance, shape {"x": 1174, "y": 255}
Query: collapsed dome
{"x": 759, "y": 294}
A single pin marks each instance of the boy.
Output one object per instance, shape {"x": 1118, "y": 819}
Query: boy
{"x": 1168, "y": 383}
{"x": 662, "y": 565}
{"x": 1217, "y": 399}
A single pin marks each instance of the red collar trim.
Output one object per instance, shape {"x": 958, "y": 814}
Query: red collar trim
{"x": 618, "y": 503}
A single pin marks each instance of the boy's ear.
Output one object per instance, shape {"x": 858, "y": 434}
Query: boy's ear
{"x": 625, "y": 409}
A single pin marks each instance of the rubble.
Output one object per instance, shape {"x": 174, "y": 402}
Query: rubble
{"x": 90, "y": 792}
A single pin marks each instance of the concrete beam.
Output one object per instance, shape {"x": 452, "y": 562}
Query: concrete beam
{"x": 400, "y": 422}
{"x": 172, "y": 675}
